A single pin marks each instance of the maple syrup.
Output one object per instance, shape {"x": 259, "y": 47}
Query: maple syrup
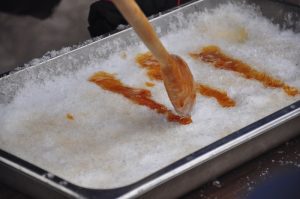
{"x": 70, "y": 117}
{"x": 221, "y": 96}
{"x": 149, "y": 84}
{"x": 138, "y": 96}
{"x": 152, "y": 66}
{"x": 214, "y": 56}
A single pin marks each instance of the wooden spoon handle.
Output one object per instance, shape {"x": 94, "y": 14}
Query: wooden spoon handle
{"x": 136, "y": 18}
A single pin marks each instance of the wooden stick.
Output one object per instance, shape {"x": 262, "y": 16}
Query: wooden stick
{"x": 136, "y": 18}
{"x": 177, "y": 77}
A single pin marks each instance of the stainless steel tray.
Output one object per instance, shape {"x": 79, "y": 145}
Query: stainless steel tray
{"x": 186, "y": 173}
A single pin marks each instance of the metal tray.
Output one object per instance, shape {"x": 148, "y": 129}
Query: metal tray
{"x": 186, "y": 173}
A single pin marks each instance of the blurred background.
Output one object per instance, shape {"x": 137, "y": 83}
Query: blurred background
{"x": 29, "y": 31}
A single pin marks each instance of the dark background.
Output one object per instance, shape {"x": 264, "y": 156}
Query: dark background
{"x": 24, "y": 37}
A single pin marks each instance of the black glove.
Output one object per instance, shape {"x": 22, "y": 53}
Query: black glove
{"x": 104, "y": 17}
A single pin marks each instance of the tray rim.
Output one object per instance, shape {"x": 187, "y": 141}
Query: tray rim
{"x": 178, "y": 167}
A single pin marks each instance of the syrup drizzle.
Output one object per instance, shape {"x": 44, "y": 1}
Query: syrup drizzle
{"x": 214, "y": 56}
{"x": 221, "y": 96}
{"x": 138, "y": 96}
{"x": 149, "y": 84}
{"x": 70, "y": 117}
{"x": 152, "y": 66}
